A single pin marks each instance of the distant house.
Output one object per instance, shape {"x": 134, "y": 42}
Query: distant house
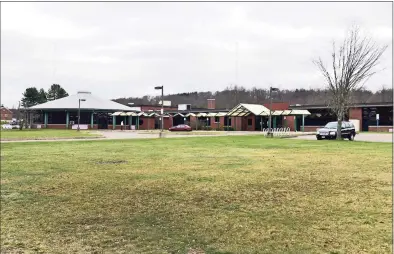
{"x": 6, "y": 114}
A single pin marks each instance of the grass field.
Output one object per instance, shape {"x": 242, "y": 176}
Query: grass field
{"x": 44, "y": 134}
{"x": 239, "y": 194}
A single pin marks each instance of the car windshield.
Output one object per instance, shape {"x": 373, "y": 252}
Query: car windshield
{"x": 331, "y": 125}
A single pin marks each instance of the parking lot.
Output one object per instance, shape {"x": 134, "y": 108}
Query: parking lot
{"x": 370, "y": 137}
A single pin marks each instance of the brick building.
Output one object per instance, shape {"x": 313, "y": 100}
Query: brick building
{"x": 105, "y": 114}
{"x": 6, "y": 114}
{"x": 364, "y": 114}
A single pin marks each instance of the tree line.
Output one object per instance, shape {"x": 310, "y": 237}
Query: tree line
{"x": 232, "y": 95}
{"x": 33, "y": 96}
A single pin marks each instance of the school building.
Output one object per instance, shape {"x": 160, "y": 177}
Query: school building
{"x": 96, "y": 113}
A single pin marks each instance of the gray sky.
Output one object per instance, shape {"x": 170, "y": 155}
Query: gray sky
{"x": 125, "y": 49}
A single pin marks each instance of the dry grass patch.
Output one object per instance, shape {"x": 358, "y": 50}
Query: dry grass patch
{"x": 238, "y": 194}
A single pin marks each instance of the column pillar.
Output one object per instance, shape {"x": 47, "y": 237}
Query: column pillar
{"x": 67, "y": 119}
{"x": 113, "y": 122}
{"x": 303, "y": 122}
{"x": 91, "y": 121}
{"x": 46, "y": 119}
{"x": 274, "y": 121}
{"x": 295, "y": 123}
{"x": 130, "y": 120}
{"x": 124, "y": 124}
{"x": 137, "y": 123}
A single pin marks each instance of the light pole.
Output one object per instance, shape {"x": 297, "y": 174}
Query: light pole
{"x": 79, "y": 110}
{"x": 272, "y": 89}
{"x": 162, "y": 107}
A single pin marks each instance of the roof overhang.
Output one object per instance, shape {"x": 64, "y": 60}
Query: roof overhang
{"x": 239, "y": 110}
{"x": 291, "y": 112}
{"x": 201, "y": 114}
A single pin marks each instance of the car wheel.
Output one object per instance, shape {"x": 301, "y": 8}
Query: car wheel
{"x": 319, "y": 138}
{"x": 351, "y": 137}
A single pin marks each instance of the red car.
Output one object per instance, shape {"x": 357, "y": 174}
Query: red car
{"x": 181, "y": 127}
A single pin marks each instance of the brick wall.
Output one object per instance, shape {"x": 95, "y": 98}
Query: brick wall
{"x": 148, "y": 123}
{"x": 211, "y": 104}
{"x": 216, "y": 125}
{"x": 380, "y": 128}
{"x": 167, "y": 122}
{"x": 289, "y": 122}
{"x": 356, "y": 113}
{"x": 312, "y": 128}
{"x": 278, "y": 105}
{"x": 55, "y": 126}
{"x": 237, "y": 123}
{"x": 249, "y": 127}
{"x": 6, "y": 114}
{"x": 192, "y": 123}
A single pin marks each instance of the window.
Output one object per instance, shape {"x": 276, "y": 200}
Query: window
{"x": 217, "y": 119}
{"x": 133, "y": 120}
{"x": 227, "y": 121}
{"x": 250, "y": 122}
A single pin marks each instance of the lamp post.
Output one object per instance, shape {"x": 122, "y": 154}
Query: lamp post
{"x": 79, "y": 111}
{"x": 162, "y": 109}
{"x": 272, "y": 89}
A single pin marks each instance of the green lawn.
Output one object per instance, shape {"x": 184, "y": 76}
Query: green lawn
{"x": 43, "y": 134}
{"x": 238, "y": 194}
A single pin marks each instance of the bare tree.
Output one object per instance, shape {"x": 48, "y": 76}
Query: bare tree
{"x": 352, "y": 64}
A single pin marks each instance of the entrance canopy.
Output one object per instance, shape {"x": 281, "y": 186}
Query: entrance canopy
{"x": 247, "y": 109}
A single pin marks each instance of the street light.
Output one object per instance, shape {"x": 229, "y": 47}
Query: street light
{"x": 272, "y": 89}
{"x": 162, "y": 104}
{"x": 79, "y": 110}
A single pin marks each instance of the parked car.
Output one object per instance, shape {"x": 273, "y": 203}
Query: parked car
{"x": 330, "y": 131}
{"x": 181, "y": 127}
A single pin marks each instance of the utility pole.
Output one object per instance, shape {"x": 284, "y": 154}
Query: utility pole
{"x": 162, "y": 108}
{"x": 79, "y": 110}
{"x": 270, "y": 134}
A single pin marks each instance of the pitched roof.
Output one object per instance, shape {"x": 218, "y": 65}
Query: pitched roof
{"x": 244, "y": 109}
{"x": 288, "y": 112}
{"x": 91, "y": 103}
{"x": 7, "y": 109}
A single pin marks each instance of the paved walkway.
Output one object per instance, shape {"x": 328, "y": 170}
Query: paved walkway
{"x": 116, "y": 135}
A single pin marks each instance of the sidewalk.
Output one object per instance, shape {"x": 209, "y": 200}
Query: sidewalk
{"x": 118, "y": 134}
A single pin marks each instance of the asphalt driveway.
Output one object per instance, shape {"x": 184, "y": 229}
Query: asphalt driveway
{"x": 369, "y": 137}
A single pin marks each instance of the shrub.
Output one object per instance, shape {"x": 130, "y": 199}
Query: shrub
{"x": 228, "y": 128}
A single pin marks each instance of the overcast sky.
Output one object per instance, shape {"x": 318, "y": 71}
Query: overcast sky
{"x": 125, "y": 49}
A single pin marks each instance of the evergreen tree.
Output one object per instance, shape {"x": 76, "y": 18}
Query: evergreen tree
{"x": 56, "y": 92}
